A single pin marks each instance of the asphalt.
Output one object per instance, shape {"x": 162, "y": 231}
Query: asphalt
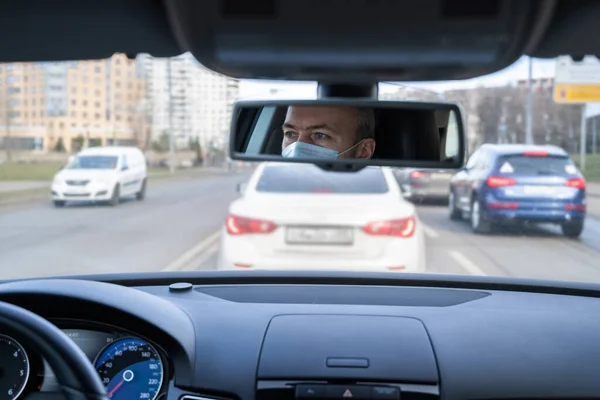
{"x": 177, "y": 226}
{"x": 135, "y": 236}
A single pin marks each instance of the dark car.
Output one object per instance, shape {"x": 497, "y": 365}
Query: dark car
{"x": 519, "y": 183}
{"x": 423, "y": 184}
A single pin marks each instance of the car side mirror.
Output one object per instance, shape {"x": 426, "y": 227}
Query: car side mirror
{"x": 241, "y": 188}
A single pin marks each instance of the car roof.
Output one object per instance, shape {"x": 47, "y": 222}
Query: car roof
{"x": 109, "y": 150}
{"x": 503, "y": 149}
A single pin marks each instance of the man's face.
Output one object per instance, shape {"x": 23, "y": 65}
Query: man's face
{"x": 333, "y": 127}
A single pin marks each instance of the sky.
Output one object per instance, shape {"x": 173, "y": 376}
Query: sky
{"x": 307, "y": 90}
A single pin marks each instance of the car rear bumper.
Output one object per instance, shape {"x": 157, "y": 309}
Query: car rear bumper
{"x": 533, "y": 215}
{"x": 237, "y": 253}
{"x": 411, "y": 192}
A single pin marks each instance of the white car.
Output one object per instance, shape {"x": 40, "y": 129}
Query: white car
{"x": 298, "y": 216}
{"x": 101, "y": 174}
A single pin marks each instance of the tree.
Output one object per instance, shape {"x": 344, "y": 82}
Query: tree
{"x": 77, "y": 143}
{"x": 162, "y": 144}
{"x": 59, "y": 147}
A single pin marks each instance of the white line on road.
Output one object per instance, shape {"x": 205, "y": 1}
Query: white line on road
{"x": 430, "y": 232}
{"x": 206, "y": 255}
{"x": 466, "y": 263}
{"x": 195, "y": 251}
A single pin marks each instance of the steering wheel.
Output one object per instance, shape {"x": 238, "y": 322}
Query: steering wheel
{"x": 74, "y": 372}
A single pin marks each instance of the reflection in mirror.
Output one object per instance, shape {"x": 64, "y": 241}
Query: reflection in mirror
{"x": 377, "y": 132}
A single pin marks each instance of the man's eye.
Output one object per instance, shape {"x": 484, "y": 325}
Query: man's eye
{"x": 289, "y": 134}
{"x": 321, "y": 136}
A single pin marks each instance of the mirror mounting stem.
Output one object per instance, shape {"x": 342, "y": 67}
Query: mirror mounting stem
{"x": 337, "y": 90}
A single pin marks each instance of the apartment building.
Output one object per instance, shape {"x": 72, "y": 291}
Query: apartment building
{"x": 201, "y": 101}
{"x": 46, "y": 106}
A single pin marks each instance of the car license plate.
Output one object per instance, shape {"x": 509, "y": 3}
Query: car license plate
{"x": 547, "y": 190}
{"x": 318, "y": 235}
{"x": 439, "y": 176}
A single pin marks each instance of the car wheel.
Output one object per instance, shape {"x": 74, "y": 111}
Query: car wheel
{"x": 59, "y": 203}
{"x": 455, "y": 213}
{"x": 116, "y": 196}
{"x": 141, "y": 195}
{"x": 572, "y": 229}
{"x": 478, "y": 222}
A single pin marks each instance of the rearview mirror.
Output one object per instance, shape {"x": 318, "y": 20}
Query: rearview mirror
{"x": 345, "y": 133}
{"x": 241, "y": 188}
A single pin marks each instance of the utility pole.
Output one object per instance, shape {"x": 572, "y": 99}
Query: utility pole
{"x": 582, "y": 137}
{"x": 171, "y": 144}
{"x": 594, "y": 135}
{"x": 529, "y": 111}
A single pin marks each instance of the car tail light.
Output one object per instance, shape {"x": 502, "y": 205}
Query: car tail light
{"x": 498, "y": 181}
{"x": 536, "y": 153}
{"x": 575, "y": 207}
{"x": 505, "y": 206}
{"x": 578, "y": 183}
{"x": 397, "y": 268}
{"x": 237, "y": 225}
{"x": 416, "y": 174}
{"x": 404, "y": 227}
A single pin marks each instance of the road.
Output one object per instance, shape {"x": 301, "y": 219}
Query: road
{"x": 177, "y": 227}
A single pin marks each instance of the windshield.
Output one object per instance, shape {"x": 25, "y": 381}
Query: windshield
{"x": 311, "y": 179}
{"x": 526, "y": 205}
{"x": 93, "y": 162}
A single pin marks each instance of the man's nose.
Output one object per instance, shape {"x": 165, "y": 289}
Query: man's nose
{"x": 304, "y": 137}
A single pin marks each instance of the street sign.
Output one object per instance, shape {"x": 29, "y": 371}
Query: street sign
{"x": 577, "y": 81}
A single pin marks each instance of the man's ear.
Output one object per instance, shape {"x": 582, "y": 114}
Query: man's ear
{"x": 366, "y": 149}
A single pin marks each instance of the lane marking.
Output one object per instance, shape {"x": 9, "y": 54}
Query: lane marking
{"x": 430, "y": 231}
{"x": 464, "y": 262}
{"x": 205, "y": 256}
{"x": 193, "y": 252}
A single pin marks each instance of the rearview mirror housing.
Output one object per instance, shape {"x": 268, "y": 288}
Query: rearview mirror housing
{"x": 349, "y": 134}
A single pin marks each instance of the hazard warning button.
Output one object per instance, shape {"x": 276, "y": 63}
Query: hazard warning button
{"x": 348, "y": 392}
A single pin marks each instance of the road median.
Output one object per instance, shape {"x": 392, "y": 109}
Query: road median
{"x": 14, "y": 195}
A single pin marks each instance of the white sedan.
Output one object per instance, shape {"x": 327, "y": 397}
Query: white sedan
{"x": 298, "y": 216}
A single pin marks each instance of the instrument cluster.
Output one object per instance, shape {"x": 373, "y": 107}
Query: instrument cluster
{"x": 130, "y": 367}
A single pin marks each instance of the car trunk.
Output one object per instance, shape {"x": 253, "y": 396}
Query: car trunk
{"x": 327, "y": 225}
{"x": 535, "y": 179}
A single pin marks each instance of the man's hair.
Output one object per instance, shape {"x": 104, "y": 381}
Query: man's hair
{"x": 366, "y": 124}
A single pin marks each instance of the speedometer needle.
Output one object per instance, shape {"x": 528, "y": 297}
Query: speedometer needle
{"x": 117, "y": 386}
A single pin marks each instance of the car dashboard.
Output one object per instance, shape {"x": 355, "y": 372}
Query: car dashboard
{"x": 321, "y": 336}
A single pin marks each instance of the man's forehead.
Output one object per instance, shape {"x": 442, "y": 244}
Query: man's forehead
{"x": 324, "y": 113}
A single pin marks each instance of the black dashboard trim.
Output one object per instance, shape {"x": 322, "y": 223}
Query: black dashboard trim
{"x": 342, "y": 278}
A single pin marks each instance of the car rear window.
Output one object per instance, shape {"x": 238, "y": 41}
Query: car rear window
{"x": 306, "y": 178}
{"x": 536, "y": 165}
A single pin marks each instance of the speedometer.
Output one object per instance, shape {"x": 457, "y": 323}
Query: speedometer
{"x": 14, "y": 368}
{"x": 130, "y": 368}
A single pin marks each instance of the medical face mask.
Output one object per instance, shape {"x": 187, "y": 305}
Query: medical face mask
{"x": 307, "y": 150}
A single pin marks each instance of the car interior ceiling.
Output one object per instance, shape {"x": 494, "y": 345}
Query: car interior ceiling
{"x": 497, "y": 34}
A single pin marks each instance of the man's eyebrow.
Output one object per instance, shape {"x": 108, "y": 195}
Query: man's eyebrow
{"x": 311, "y": 127}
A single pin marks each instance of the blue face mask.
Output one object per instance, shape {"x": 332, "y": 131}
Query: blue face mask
{"x": 307, "y": 150}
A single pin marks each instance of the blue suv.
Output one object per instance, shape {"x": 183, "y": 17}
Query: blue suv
{"x": 519, "y": 183}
